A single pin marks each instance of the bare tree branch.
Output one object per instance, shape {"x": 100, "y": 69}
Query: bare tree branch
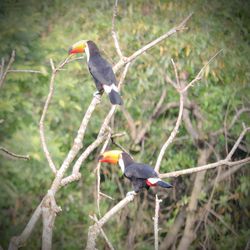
{"x": 205, "y": 167}
{"x": 59, "y": 181}
{"x": 77, "y": 145}
{"x": 199, "y": 75}
{"x": 98, "y": 175}
{"x": 97, "y": 142}
{"x": 114, "y": 34}
{"x": 4, "y": 73}
{"x": 41, "y": 123}
{"x": 102, "y": 232}
{"x": 48, "y": 224}
{"x": 2, "y": 67}
{"x": 143, "y": 131}
{"x": 226, "y": 174}
{"x": 12, "y": 155}
{"x": 237, "y": 143}
{"x": 142, "y": 50}
{"x": 234, "y": 120}
{"x": 227, "y": 161}
{"x": 178, "y": 122}
{"x": 95, "y": 229}
{"x": 181, "y": 92}
{"x": 18, "y": 241}
{"x": 156, "y": 219}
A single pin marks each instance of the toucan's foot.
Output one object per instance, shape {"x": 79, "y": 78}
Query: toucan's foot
{"x": 131, "y": 193}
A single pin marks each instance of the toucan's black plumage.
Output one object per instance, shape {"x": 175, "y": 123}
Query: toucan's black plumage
{"x": 103, "y": 74}
{"x": 141, "y": 175}
{"x": 100, "y": 69}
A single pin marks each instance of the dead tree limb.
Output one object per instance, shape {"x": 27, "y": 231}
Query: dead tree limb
{"x": 18, "y": 241}
{"x": 5, "y": 72}
{"x": 114, "y": 33}
{"x": 150, "y": 45}
{"x": 94, "y": 230}
{"x": 45, "y": 109}
{"x": 156, "y": 221}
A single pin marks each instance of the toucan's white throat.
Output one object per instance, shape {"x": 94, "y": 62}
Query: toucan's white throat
{"x": 121, "y": 164}
{"x": 87, "y": 52}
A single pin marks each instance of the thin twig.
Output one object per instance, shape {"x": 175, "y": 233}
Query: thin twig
{"x": 118, "y": 145}
{"x": 199, "y": 75}
{"x": 106, "y": 196}
{"x": 222, "y": 221}
{"x": 237, "y": 143}
{"x": 24, "y": 71}
{"x": 225, "y": 175}
{"x": 102, "y": 232}
{"x": 13, "y": 155}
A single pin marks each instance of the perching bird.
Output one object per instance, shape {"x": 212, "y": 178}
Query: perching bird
{"x": 100, "y": 70}
{"x": 141, "y": 175}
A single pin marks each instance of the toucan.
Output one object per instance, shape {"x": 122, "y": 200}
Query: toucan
{"x": 141, "y": 175}
{"x": 100, "y": 69}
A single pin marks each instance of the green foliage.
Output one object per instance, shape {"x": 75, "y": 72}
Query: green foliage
{"x": 42, "y": 30}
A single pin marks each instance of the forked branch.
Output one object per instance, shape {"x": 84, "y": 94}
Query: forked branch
{"x": 226, "y": 162}
{"x": 94, "y": 230}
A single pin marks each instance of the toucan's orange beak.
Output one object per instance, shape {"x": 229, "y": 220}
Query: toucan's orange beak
{"x": 111, "y": 156}
{"x": 78, "y": 47}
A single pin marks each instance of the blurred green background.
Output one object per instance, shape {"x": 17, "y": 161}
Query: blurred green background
{"x": 40, "y": 30}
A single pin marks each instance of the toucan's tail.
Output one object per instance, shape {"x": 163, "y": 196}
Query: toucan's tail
{"x": 115, "y": 98}
{"x": 113, "y": 93}
{"x": 164, "y": 184}
{"x": 158, "y": 182}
